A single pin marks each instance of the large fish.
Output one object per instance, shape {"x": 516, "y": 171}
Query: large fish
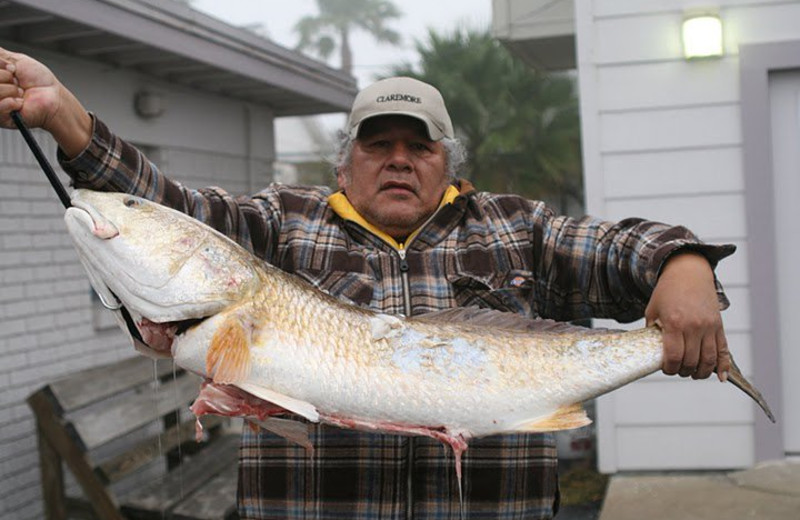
{"x": 269, "y": 343}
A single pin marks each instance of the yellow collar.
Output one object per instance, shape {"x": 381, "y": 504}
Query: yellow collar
{"x": 342, "y": 207}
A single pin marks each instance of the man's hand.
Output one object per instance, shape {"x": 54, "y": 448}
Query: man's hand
{"x": 30, "y": 88}
{"x": 684, "y": 304}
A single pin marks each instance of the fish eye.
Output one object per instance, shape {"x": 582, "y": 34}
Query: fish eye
{"x": 131, "y": 202}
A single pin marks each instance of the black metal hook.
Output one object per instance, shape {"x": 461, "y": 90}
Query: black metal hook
{"x": 65, "y": 200}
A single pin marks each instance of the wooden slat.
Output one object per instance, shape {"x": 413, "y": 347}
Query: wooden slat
{"x": 52, "y": 478}
{"x": 160, "y": 497}
{"x": 216, "y": 500}
{"x": 80, "y": 509}
{"x": 98, "y": 383}
{"x": 136, "y": 410}
{"x": 101, "y": 498}
{"x": 92, "y": 407}
{"x": 117, "y": 468}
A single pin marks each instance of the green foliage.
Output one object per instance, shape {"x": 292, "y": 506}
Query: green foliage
{"x": 520, "y": 126}
{"x": 337, "y": 19}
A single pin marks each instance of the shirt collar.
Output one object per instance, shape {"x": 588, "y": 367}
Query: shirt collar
{"x": 342, "y": 207}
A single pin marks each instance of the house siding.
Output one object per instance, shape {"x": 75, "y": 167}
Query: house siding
{"x": 663, "y": 140}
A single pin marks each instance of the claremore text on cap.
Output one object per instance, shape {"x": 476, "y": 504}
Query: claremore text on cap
{"x": 398, "y": 97}
{"x": 402, "y": 96}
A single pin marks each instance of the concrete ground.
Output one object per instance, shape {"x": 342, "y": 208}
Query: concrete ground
{"x": 770, "y": 491}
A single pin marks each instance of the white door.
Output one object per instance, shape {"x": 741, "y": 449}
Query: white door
{"x": 785, "y": 113}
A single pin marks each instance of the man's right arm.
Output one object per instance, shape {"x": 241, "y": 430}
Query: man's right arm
{"x": 95, "y": 158}
{"x": 637, "y": 267}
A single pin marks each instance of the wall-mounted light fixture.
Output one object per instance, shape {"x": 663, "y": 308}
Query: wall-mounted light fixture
{"x": 149, "y": 104}
{"x": 702, "y": 35}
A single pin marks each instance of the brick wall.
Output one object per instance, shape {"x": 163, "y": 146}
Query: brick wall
{"x": 46, "y": 314}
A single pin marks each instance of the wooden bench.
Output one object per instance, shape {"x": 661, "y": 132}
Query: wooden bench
{"x": 127, "y": 425}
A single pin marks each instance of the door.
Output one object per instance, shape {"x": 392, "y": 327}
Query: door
{"x": 785, "y": 123}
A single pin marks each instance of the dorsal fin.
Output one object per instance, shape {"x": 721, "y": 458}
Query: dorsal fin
{"x": 478, "y": 317}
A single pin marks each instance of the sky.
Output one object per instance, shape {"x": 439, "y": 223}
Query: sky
{"x": 278, "y": 18}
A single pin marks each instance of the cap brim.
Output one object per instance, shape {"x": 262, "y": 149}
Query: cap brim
{"x": 434, "y": 132}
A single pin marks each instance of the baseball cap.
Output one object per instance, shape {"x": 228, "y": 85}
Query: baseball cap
{"x": 402, "y": 96}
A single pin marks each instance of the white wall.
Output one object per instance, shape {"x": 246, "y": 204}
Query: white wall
{"x": 663, "y": 140}
{"x": 46, "y": 325}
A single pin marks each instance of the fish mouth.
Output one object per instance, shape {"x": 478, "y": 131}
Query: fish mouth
{"x": 85, "y": 221}
{"x": 87, "y": 215}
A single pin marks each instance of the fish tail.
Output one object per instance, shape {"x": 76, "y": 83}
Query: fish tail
{"x": 736, "y": 377}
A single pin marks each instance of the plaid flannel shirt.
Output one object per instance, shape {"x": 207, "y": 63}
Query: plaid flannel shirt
{"x": 498, "y": 251}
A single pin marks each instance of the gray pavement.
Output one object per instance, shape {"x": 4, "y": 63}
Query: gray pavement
{"x": 769, "y": 491}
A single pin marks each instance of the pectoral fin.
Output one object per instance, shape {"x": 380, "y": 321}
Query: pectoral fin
{"x": 565, "y": 418}
{"x": 228, "y": 357}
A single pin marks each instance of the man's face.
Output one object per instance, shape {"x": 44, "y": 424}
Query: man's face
{"x": 396, "y": 177}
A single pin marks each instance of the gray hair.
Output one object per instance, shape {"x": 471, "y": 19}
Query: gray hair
{"x": 455, "y": 154}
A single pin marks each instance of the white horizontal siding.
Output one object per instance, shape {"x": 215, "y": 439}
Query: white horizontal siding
{"x": 740, "y": 345}
{"x": 655, "y": 35}
{"x": 670, "y": 129}
{"x": 673, "y": 172}
{"x": 199, "y": 169}
{"x": 614, "y": 8}
{"x": 681, "y": 401}
{"x": 684, "y": 447}
{"x": 768, "y": 22}
{"x": 737, "y": 316}
{"x": 638, "y": 39}
{"x": 662, "y": 140}
{"x": 667, "y": 84}
{"x": 712, "y": 217}
{"x": 733, "y": 270}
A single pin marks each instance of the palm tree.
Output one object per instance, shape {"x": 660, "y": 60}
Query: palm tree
{"x": 520, "y": 126}
{"x": 337, "y": 19}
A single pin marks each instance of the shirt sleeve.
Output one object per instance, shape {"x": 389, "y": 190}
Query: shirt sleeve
{"x": 593, "y": 268}
{"x": 110, "y": 164}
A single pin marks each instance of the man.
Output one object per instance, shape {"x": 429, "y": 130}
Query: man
{"x": 403, "y": 235}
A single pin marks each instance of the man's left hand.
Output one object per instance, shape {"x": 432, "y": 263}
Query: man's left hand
{"x": 684, "y": 304}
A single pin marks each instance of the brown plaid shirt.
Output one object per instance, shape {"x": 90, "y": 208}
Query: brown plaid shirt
{"x": 499, "y": 251}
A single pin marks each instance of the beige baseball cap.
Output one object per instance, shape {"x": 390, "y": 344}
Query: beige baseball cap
{"x": 402, "y": 96}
